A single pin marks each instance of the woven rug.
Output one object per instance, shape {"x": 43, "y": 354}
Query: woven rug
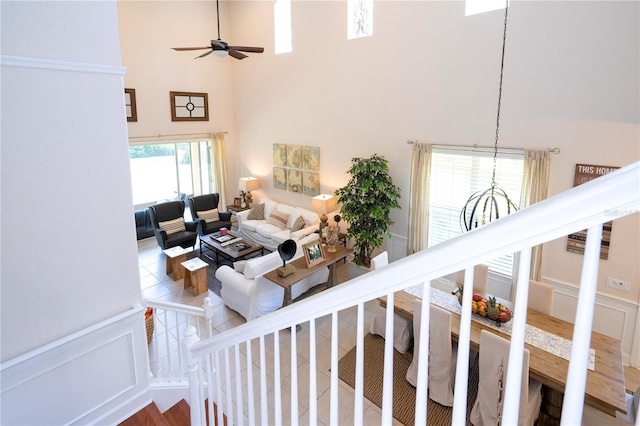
{"x": 404, "y": 395}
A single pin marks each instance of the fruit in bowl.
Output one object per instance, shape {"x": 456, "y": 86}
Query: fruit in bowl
{"x": 489, "y": 308}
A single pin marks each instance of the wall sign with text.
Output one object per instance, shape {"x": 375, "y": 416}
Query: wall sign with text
{"x": 576, "y": 242}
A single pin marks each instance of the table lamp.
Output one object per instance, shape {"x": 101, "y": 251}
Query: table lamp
{"x": 246, "y": 185}
{"x": 323, "y": 204}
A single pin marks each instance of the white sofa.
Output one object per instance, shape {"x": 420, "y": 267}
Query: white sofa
{"x": 252, "y": 295}
{"x": 270, "y": 236}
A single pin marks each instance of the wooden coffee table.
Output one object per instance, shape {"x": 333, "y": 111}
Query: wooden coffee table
{"x": 226, "y": 252}
{"x": 303, "y": 272}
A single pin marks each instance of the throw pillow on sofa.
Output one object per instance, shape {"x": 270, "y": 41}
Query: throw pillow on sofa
{"x": 209, "y": 215}
{"x": 279, "y": 219}
{"x": 239, "y": 265}
{"x": 256, "y": 212}
{"x": 298, "y": 224}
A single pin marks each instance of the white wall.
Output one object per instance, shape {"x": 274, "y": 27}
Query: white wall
{"x": 69, "y": 257}
{"x": 431, "y": 74}
{"x": 148, "y": 31}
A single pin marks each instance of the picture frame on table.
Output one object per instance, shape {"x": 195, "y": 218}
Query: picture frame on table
{"x": 313, "y": 253}
{"x": 237, "y": 201}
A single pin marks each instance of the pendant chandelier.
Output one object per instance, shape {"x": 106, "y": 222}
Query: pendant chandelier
{"x": 484, "y": 206}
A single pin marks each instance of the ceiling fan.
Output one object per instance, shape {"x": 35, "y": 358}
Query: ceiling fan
{"x": 222, "y": 48}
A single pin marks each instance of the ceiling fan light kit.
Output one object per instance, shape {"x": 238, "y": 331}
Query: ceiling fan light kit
{"x": 220, "y": 53}
{"x": 221, "y": 48}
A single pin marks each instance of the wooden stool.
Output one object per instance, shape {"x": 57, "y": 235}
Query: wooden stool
{"x": 174, "y": 257}
{"x": 195, "y": 275}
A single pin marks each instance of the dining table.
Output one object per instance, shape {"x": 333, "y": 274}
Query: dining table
{"x": 605, "y": 386}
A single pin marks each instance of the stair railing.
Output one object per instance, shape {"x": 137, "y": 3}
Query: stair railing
{"x": 166, "y": 357}
{"x": 587, "y": 206}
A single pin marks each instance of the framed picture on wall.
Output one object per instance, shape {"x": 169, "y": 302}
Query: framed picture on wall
{"x": 189, "y": 106}
{"x": 130, "y": 104}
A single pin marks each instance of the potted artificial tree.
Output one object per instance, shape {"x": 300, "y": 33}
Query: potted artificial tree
{"x": 367, "y": 200}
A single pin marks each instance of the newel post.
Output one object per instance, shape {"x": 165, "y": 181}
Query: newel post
{"x": 190, "y": 339}
{"x": 208, "y": 314}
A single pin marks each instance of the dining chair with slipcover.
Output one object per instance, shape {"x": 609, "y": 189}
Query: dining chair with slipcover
{"x": 402, "y": 327}
{"x": 494, "y": 362}
{"x": 443, "y": 353}
{"x": 541, "y": 297}
{"x": 480, "y": 278}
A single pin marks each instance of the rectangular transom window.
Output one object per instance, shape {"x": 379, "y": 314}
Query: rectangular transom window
{"x": 282, "y": 26}
{"x": 473, "y": 7}
{"x": 359, "y": 18}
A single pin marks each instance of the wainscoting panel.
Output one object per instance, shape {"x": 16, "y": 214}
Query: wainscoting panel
{"x": 97, "y": 375}
{"x": 613, "y": 317}
{"x": 396, "y": 247}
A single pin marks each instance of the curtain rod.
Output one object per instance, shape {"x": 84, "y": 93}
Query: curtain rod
{"x": 476, "y": 146}
{"x": 174, "y": 135}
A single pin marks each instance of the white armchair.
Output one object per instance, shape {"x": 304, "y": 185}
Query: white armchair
{"x": 246, "y": 291}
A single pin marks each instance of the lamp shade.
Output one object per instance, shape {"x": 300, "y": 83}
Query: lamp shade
{"x": 220, "y": 53}
{"x": 248, "y": 184}
{"x": 324, "y": 203}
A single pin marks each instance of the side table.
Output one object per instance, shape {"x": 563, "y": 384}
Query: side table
{"x": 174, "y": 256}
{"x": 195, "y": 275}
{"x": 234, "y": 210}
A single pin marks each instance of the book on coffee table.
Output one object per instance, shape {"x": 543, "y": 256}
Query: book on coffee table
{"x": 241, "y": 245}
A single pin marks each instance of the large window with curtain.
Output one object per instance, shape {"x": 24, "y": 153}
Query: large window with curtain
{"x": 456, "y": 173}
{"x": 170, "y": 171}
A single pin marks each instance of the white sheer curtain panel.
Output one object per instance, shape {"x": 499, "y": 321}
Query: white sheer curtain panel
{"x": 219, "y": 166}
{"x": 535, "y": 187}
{"x": 417, "y": 234}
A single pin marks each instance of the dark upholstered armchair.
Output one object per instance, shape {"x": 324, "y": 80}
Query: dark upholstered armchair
{"x": 169, "y": 225}
{"x": 143, "y": 224}
{"x": 204, "y": 211}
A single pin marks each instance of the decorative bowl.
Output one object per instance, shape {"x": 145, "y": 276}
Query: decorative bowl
{"x": 482, "y": 307}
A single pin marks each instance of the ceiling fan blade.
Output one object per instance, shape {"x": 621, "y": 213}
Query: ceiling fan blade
{"x": 236, "y": 54}
{"x": 190, "y": 48}
{"x": 204, "y": 54}
{"x": 248, "y": 49}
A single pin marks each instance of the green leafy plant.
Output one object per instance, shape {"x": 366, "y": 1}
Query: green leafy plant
{"x": 367, "y": 200}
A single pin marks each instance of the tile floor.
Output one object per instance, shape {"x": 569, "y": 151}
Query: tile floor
{"x": 157, "y": 285}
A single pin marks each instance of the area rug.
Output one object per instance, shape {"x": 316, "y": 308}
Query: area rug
{"x": 404, "y": 395}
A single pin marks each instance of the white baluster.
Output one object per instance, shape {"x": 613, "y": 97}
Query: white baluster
{"x": 573, "y": 402}
{"x": 423, "y": 357}
{"x": 333, "y": 406}
{"x": 358, "y": 404}
{"x": 387, "y": 381}
{"x": 462, "y": 368}
{"x": 191, "y": 338}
